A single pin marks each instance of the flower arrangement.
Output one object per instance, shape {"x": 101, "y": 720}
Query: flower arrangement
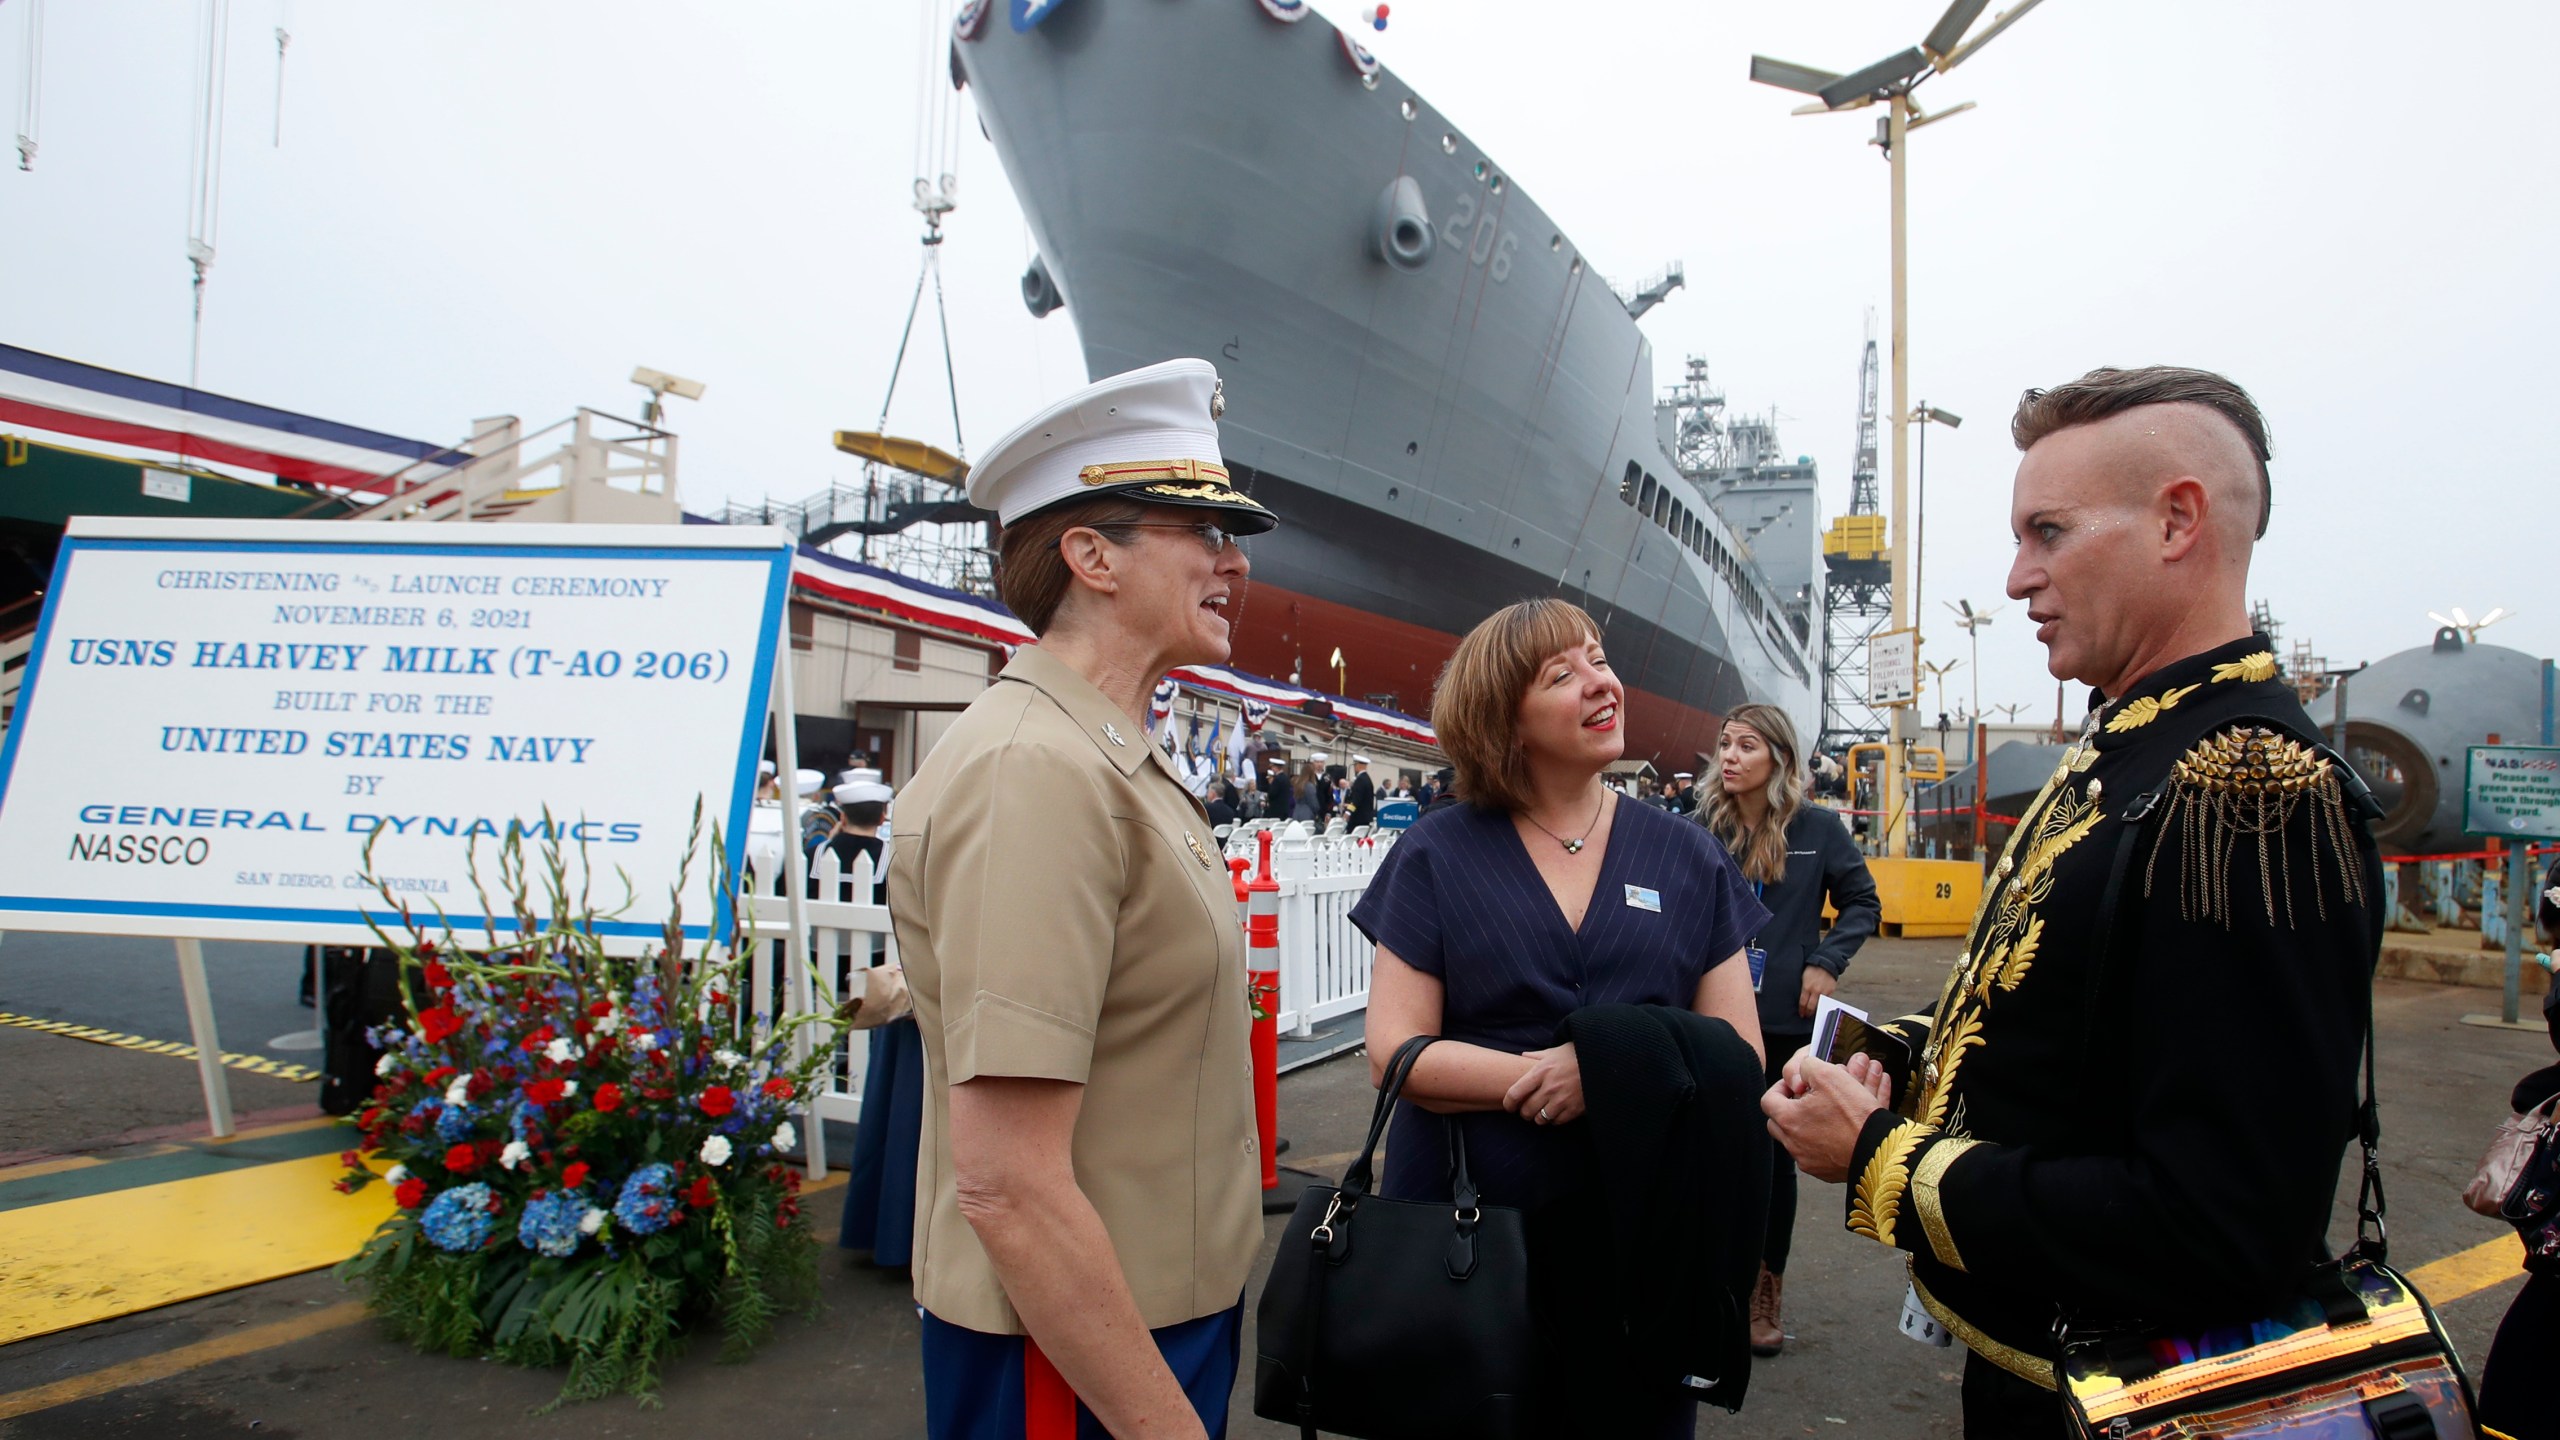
{"x": 587, "y": 1150}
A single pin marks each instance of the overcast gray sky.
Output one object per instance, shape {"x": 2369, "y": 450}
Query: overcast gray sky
{"x": 484, "y": 208}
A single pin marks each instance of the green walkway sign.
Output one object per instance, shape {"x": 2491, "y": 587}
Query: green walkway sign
{"x": 2512, "y": 791}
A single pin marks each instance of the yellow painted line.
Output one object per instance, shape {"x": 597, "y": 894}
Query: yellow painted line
{"x": 245, "y": 1341}
{"x": 2471, "y": 1271}
{"x": 284, "y": 1127}
{"x": 51, "y": 1167}
{"x": 78, "y": 1261}
{"x": 254, "y": 1064}
{"x": 248, "y": 1341}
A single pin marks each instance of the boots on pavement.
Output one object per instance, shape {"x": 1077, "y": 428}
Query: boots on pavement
{"x": 1768, "y": 1335}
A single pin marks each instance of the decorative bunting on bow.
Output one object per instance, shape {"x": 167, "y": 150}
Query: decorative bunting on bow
{"x": 1160, "y": 709}
{"x": 1255, "y": 712}
{"x": 971, "y": 19}
{"x": 1288, "y": 11}
{"x": 1362, "y": 62}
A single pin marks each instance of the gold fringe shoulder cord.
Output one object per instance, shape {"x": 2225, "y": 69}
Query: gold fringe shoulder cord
{"x": 2232, "y": 798}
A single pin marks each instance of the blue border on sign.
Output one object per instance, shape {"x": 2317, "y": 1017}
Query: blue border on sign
{"x": 777, "y": 561}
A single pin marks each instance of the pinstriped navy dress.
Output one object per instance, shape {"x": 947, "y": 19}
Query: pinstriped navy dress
{"x": 1460, "y": 899}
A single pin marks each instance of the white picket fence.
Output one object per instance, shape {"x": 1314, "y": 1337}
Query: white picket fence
{"x": 845, "y": 930}
{"x": 1324, "y": 959}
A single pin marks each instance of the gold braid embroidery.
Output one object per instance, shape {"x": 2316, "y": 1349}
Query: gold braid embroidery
{"x": 2141, "y": 712}
{"x": 1880, "y": 1185}
{"x": 1925, "y": 1180}
{"x": 2252, "y": 668}
{"x": 2246, "y": 785}
{"x": 1962, "y": 1034}
{"x": 2022, "y": 955}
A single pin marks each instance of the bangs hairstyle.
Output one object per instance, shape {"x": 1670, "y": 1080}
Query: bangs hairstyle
{"x": 1031, "y": 576}
{"x": 2108, "y": 391}
{"x": 1476, "y": 706}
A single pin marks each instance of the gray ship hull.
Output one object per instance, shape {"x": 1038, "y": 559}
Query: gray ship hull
{"x": 1440, "y": 437}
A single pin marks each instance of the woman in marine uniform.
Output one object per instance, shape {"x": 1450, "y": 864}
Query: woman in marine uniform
{"x": 1088, "y": 1196}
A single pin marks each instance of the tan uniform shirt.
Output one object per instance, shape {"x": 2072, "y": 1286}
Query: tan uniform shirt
{"x": 1063, "y": 912}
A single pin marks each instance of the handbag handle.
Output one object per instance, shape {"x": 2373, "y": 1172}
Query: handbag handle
{"x": 1357, "y": 1179}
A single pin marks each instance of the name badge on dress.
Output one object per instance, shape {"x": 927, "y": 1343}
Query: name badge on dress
{"x": 1640, "y": 898}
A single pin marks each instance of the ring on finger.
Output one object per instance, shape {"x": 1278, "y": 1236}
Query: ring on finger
{"x": 1542, "y": 1114}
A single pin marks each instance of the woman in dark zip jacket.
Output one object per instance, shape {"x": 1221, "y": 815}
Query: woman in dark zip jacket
{"x": 1796, "y": 855}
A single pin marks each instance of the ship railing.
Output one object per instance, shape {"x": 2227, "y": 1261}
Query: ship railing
{"x": 508, "y": 469}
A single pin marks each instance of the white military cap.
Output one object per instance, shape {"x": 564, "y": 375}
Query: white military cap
{"x": 764, "y": 769}
{"x": 807, "y": 781}
{"x": 1149, "y": 435}
{"x": 1359, "y": 759}
{"x": 863, "y": 784}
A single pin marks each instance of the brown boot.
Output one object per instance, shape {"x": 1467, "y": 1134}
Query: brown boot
{"x": 1768, "y": 1336}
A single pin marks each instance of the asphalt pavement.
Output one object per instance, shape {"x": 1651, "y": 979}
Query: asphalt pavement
{"x": 291, "y": 1358}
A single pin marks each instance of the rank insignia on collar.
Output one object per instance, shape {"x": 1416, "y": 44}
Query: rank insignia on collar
{"x": 1199, "y": 851}
{"x": 1111, "y": 733}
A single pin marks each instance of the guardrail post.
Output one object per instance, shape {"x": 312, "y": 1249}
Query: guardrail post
{"x": 1293, "y": 865}
{"x": 1262, "y": 978}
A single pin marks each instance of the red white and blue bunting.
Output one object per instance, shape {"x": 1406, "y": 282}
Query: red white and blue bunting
{"x": 1361, "y": 60}
{"x": 1288, "y": 11}
{"x": 971, "y": 19}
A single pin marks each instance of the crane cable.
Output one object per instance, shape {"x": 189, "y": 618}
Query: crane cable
{"x": 204, "y": 192}
{"x": 31, "y": 91}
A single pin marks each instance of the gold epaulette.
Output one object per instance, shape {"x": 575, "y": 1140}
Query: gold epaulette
{"x": 2247, "y": 784}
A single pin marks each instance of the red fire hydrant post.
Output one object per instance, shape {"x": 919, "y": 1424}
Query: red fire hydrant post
{"x": 1262, "y": 982}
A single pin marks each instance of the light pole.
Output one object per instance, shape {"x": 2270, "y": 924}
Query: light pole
{"x": 1926, "y": 415}
{"x": 1973, "y": 620}
{"x": 1940, "y": 672}
{"x": 1891, "y": 81}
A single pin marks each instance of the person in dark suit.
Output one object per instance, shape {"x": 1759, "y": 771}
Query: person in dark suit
{"x": 1362, "y": 798}
{"x": 1796, "y": 857}
{"x": 2195, "y": 880}
{"x": 2517, "y": 1397}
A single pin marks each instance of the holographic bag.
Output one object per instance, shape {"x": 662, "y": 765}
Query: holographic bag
{"x": 2360, "y": 1356}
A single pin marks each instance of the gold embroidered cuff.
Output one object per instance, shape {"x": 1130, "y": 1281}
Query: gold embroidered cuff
{"x": 1924, "y": 1198}
{"x": 1878, "y": 1198}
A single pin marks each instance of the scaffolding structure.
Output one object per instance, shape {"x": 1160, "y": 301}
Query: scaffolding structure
{"x": 1858, "y": 586}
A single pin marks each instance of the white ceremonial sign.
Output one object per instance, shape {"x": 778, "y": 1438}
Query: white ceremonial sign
{"x": 2512, "y": 791}
{"x": 1893, "y": 668}
{"x": 217, "y": 715}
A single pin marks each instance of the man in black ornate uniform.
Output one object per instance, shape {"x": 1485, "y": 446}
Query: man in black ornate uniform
{"x": 2129, "y": 1104}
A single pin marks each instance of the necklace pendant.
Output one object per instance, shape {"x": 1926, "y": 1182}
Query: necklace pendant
{"x": 1573, "y": 847}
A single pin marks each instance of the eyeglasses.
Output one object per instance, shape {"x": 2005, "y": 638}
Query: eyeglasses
{"x": 1216, "y": 537}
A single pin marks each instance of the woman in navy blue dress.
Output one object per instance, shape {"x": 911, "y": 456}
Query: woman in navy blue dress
{"x": 1544, "y": 893}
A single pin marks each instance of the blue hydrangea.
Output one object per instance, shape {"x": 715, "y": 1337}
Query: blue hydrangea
{"x": 453, "y": 1123}
{"x": 458, "y": 1220}
{"x": 550, "y": 1223}
{"x": 647, "y": 1201}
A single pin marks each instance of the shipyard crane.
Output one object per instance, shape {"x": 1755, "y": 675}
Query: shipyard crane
{"x": 1892, "y": 81}
{"x": 1857, "y": 586}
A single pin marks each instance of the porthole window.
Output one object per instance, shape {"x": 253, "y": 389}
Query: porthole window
{"x": 1448, "y": 144}
{"x": 1410, "y": 109}
{"x": 1627, "y": 486}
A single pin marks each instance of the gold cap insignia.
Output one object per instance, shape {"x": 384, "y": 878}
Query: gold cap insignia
{"x": 1111, "y": 733}
{"x": 1199, "y": 851}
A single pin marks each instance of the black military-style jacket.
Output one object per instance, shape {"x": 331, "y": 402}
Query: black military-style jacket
{"x": 2143, "y": 1126}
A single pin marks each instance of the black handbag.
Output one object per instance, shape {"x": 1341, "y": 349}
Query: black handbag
{"x": 1398, "y": 1319}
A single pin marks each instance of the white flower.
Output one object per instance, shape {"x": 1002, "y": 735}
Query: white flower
{"x": 389, "y": 1062}
{"x": 395, "y": 1174}
{"x": 568, "y": 1088}
{"x": 459, "y": 1092}
{"x": 516, "y": 1153}
{"x": 561, "y": 1051}
{"x": 784, "y": 1136}
{"x": 591, "y": 1222}
{"x": 715, "y": 1151}
{"x": 728, "y": 1059}
{"x": 608, "y": 1022}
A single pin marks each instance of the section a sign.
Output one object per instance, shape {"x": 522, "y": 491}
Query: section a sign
{"x": 219, "y": 716}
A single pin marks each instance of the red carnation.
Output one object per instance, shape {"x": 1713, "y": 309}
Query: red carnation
{"x": 490, "y": 1149}
{"x": 410, "y": 1193}
{"x": 600, "y": 1009}
{"x": 545, "y": 1092}
{"x": 575, "y": 1175}
{"x": 439, "y": 1075}
{"x": 719, "y": 997}
{"x": 349, "y": 1159}
{"x": 370, "y": 1118}
{"x": 438, "y": 1024}
{"x": 438, "y": 977}
{"x": 698, "y": 1195}
{"x": 540, "y": 1038}
{"x": 608, "y": 1096}
{"x": 778, "y": 1088}
{"x": 717, "y": 1101}
{"x": 462, "y": 1159}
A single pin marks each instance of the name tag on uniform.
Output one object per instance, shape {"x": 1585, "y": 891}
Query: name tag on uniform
{"x": 1640, "y": 898}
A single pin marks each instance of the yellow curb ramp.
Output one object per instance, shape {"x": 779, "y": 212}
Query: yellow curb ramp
{"x": 79, "y": 1261}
